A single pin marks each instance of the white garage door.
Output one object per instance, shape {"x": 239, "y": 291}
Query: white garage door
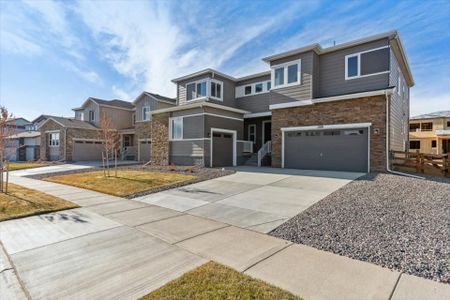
{"x": 333, "y": 149}
{"x": 84, "y": 150}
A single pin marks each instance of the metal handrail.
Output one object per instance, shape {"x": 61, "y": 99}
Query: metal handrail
{"x": 265, "y": 149}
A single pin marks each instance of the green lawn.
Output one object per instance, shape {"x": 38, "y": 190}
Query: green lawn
{"x": 20, "y": 166}
{"x": 22, "y": 202}
{"x": 127, "y": 182}
{"x": 214, "y": 281}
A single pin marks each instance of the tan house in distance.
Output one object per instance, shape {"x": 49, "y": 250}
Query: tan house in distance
{"x": 430, "y": 133}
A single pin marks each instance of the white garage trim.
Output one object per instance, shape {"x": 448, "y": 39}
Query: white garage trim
{"x": 234, "y": 133}
{"x": 327, "y": 127}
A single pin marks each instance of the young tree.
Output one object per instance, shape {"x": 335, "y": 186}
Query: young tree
{"x": 110, "y": 138}
{"x": 6, "y": 130}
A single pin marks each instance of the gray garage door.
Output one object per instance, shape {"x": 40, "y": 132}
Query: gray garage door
{"x": 336, "y": 150}
{"x": 53, "y": 153}
{"x": 87, "y": 150}
{"x": 144, "y": 150}
{"x": 222, "y": 155}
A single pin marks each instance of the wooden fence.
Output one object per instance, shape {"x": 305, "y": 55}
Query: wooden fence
{"x": 422, "y": 163}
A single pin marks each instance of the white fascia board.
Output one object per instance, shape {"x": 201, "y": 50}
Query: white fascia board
{"x": 258, "y": 115}
{"x": 203, "y": 103}
{"x": 330, "y": 99}
{"x": 324, "y": 127}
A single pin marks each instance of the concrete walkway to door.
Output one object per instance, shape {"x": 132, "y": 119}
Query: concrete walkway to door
{"x": 256, "y": 198}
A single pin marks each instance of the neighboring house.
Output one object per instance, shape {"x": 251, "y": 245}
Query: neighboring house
{"x": 23, "y": 146}
{"x": 19, "y": 125}
{"x": 79, "y": 139}
{"x": 338, "y": 108}
{"x": 430, "y": 133}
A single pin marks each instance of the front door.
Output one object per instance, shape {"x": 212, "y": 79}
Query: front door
{"x": 267, "y": 132}
{"x": 445, "y": 146}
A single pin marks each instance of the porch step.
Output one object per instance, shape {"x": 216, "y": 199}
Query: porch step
{"x": 252, "y": 160}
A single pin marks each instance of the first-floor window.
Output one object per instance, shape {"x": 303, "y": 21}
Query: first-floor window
{"x": 252, "y": 133}
{"x": 146, "y": 113}
{"x": 433, "y": 144}
{"x": 53, "y": 140}
{"x": 177, "y": 128}
{"x": 414, "y": 145}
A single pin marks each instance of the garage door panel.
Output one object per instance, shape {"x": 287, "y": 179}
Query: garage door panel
{"x": 222, "y": 149}
{"x": 337, "y": 150}
{"x": 87, "y": 150}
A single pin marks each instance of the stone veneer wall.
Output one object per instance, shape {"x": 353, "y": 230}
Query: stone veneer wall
{"x": 160, "y": 139}
{"x": 143, "y": 130}
{"x": 80, "y": 134}
{"x": 50, "y": 125}
{"x": 360, "y": 110}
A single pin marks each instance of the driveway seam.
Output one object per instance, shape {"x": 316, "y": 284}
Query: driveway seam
{"x": 265, "y": 258}
{"x": 200, "y": 234}
{"x": 13, "y": 268}
{"x": 134, "y": 226}
{"x": 395, "y": 286}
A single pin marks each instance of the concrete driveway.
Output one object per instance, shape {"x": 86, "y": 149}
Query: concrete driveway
{"x": 256, "y": 198}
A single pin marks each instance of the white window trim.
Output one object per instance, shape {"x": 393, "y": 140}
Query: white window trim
{"x": 254, "y": 133}
{"x": 50, "y": 140}
{"x": 285, "y": 70}
{"x": 358, "y": 54}
{"x": 149, "y": 113}
{"x": 208, "y": 89}
{"x": 242, "y": 94}
{"x": 93, "y": 115}
{"x": 171, "y": 138}
{"x": 234, "y": 133}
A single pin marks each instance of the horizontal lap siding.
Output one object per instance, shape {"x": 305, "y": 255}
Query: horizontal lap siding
{"x": 256, "y": 103}
{"x": 332, "y": 73}
{"x": 193, "y": 127}
{"x": 302, "y": 91}
{"x": 222, "y": 123}
{"x": 399, "y": 111}
{"x": 186, "y": 148}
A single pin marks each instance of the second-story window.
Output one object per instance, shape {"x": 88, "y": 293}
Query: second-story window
{"x": 204, "y": 88}
{"x": 146, "y": 116}
{"x": 413, "y": 127}
{"x": 367, "y": 63}
{"x": 258, "y": 88}
{"x": 248, "y": 90}
{"x": 286, "y": 74}
{"x": 428, "y": 126}
{"x": 91, "y": 116}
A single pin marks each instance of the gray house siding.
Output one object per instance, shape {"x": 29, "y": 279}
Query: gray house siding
{"x": 149, "y": 102}
{"x": 332, "y": 72}
{"x": 94, "y": 107}
{"x": 399, "y": 109}
{"x": 256, "y": 103}
{"x": 186, "y": 153}
{"x": 228, "y": 90}
{"x": 302, "y": 91}
{"x": 193, "y": 127}
{"x": 222, "y": 123}
{"x": 120, "y": 118}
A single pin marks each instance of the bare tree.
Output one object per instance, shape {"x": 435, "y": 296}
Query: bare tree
{"x": 7, "y": 129}
{"x": 110, "y": 138}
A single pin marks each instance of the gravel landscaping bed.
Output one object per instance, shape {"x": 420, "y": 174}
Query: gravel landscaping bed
{"x": 201, "y": 173}
{"x": 394, "y": 221}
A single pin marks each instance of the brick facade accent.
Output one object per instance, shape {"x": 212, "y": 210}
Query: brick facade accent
{"x": 81, "y": 134}
{"x": 160, "y": 139}
{"x": 51, "y": 125}
{"x": 360, "y": 110}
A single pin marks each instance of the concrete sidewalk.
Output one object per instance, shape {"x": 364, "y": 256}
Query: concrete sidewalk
{"x": 117, "y": 248}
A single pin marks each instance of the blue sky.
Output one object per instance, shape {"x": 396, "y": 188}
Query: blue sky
{"x": 55, "y": 54}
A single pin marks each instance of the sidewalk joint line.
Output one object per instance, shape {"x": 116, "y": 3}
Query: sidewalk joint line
{"x": 265, "y": 258}
{"x": 395, "y": 286}
{"x": 16, "y": 273}
{"x": 200, "y": 234}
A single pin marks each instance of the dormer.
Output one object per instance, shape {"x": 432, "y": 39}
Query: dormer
{"x": 206, "y": 85}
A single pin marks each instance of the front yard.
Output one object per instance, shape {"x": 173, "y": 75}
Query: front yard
{"x": 214, "y": 281}
{"x": 127, "y": 183}
{"x": 21, "y": 166}
{"x": 394, "y": 221}
{"x": 22, "y": 202}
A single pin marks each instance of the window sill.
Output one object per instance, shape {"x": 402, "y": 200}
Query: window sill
{"x": 285, "y": 86}
{"x": 367, "y": 75}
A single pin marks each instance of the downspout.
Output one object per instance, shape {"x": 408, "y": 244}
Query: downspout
{"x": 388, "y": 166}
{"x": 65, "y": 146}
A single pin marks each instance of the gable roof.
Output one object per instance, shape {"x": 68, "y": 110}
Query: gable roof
{"x": 203, "y": 72}
{"x": 24, "y": 121}
{"x": 116, "y": 103}
{"x": 70, "y": 123}
{"x": 156, "y": 97}
{"x": 433, "y": 115}
{"x": 392, "y": 35}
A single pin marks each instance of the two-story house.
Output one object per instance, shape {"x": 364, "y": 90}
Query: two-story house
{"x": 79, "y": 139}
{"x": 338, "y": 108}
{"x": 430, "y": 133}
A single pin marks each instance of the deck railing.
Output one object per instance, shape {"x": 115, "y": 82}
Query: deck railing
{"x": 247, "y": 146}
{"x": 421, "y": 162}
